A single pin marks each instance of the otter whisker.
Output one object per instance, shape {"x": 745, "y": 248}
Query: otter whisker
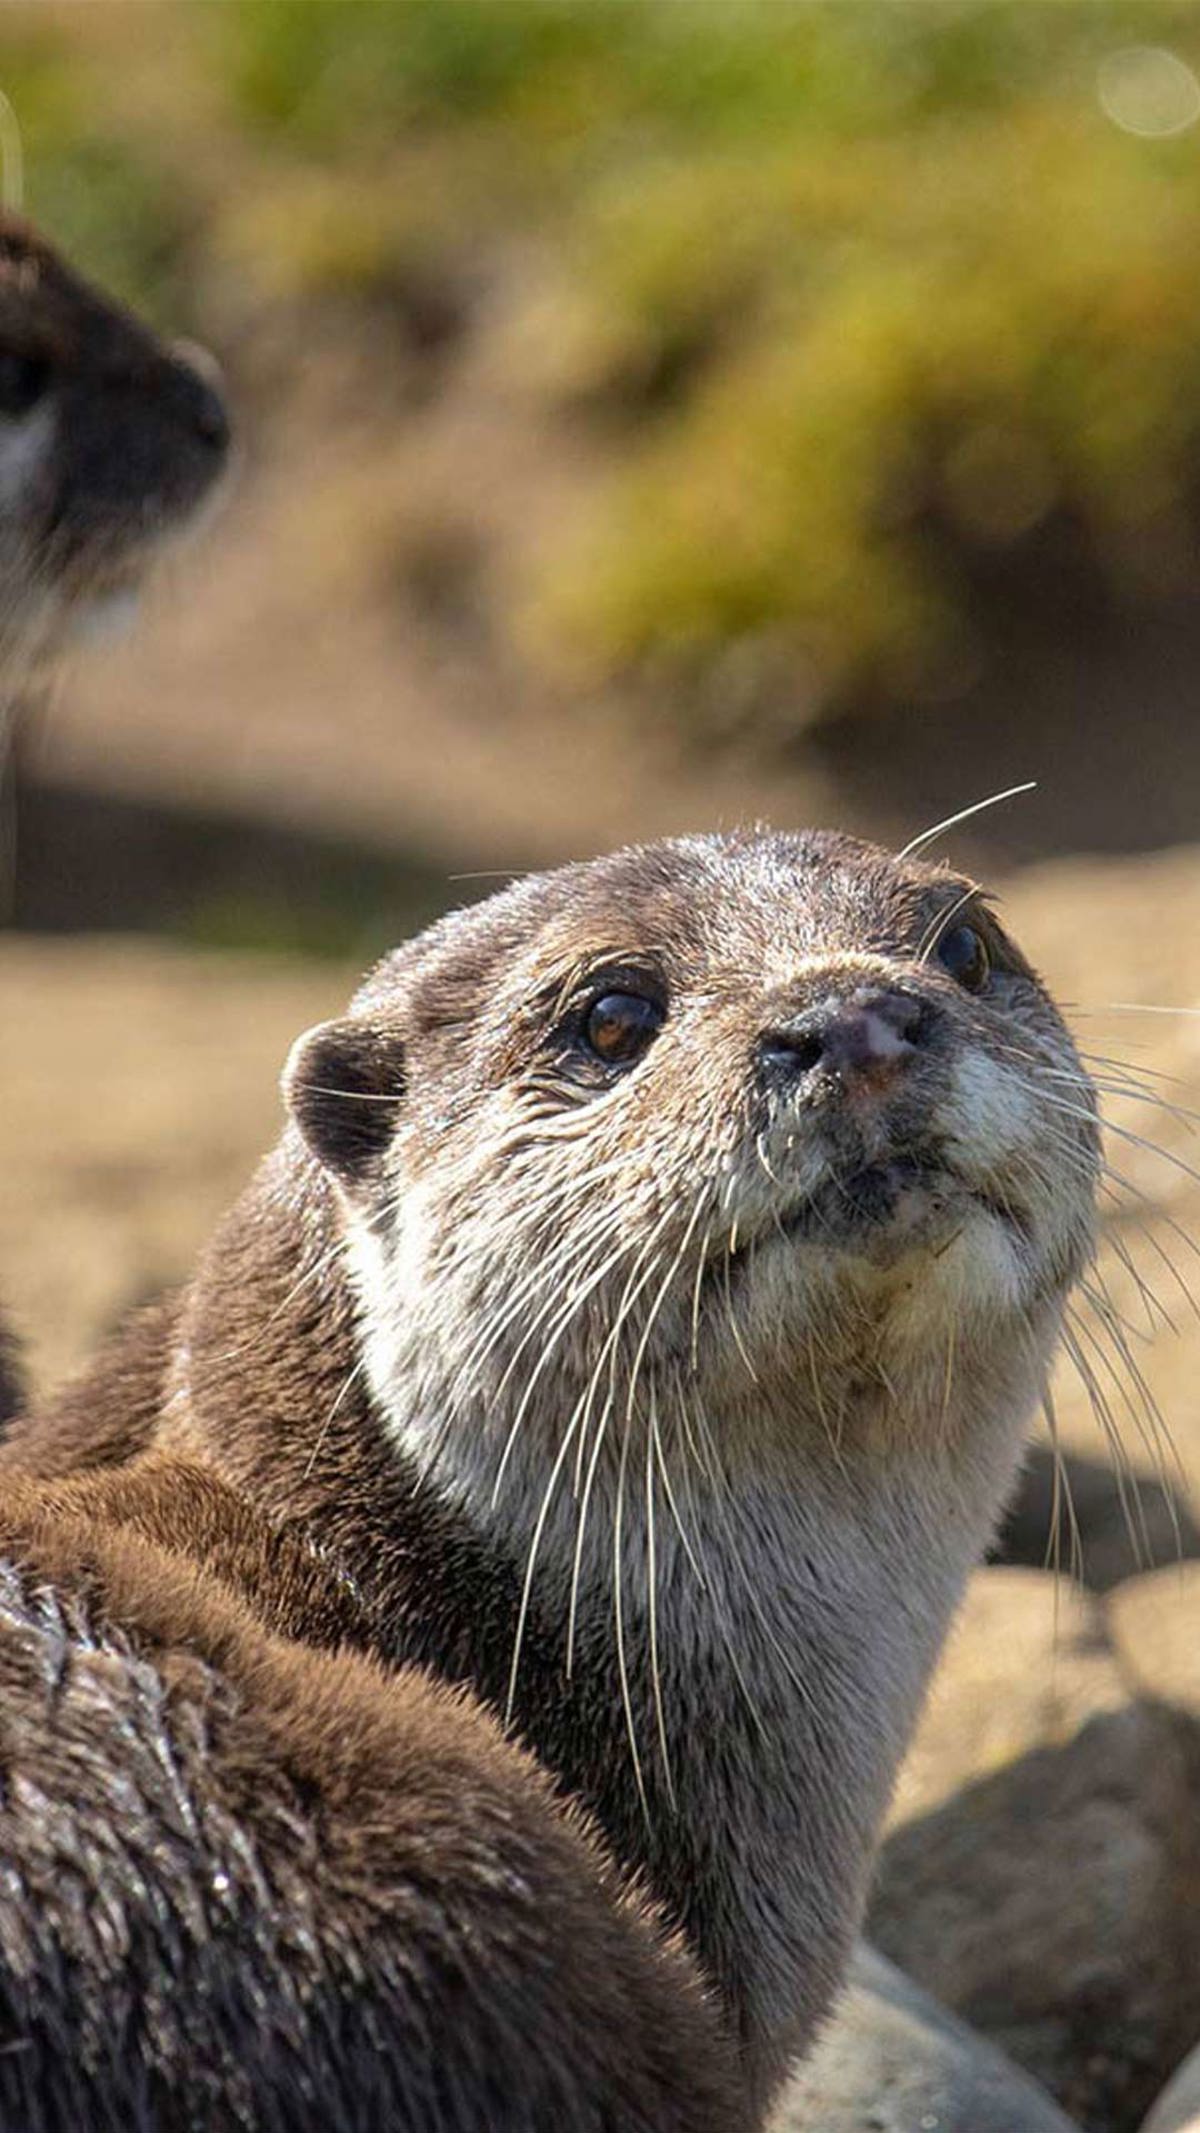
{"x": 660, "y": 1298}
{"x": 1129, "y": 1067}
{"x": 1061, "y": 1495}
{"x": 542, "y": 1282}
{"x": 761, "y": 1153}
{"x": 1160, "y": 1214}
{"x": 627, "y": 1300}
{"x": 574, "y": 1426}
{"x": 652, "y": 1585}
{"x": 669, "y": 1493}
{"x": 734, "y": 1328}
{"x": 918, "y": 844}
{"x": 695, "y": 1450}
{"x": 731, "y": 1556}
{"x": 728, "y": 1642}
{"x": 833, "y": 1435}
{"x": 697, "y": 1285}
{"x": 350, "y": 1379}
{"x": 941, "y": 924}
{"x": 619, "y": 1624}
{"x": 631, "y": 1394}
{"x": 1123, "y": 1472}
{"x": 1126, "y": 1133}
{"x": 1150, "y": 1300}
{"x": 948, "y": 1382}
{"x": 1141, "y": 1007}
{"x": 239, "y": 1350}
{"x": 531, "y": 1562}
{"x": 641, "y": 1274}
{"x": 1146, "y": 1413}
{"x": 1107, "y": 1318}
{"x": 1156, "y": 1246}
{"x": 1128, "y": 1093}
{"x": 574, "y": 1305}
{"x": 1110, "y": 1241}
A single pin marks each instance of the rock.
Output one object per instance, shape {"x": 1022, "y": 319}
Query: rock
{"x": 1125, "y": 1523}
{"x": 1154, "y": 1622}
{"x": 1039, "y": 1874}
{"x": 1178, "y": 2108}
{"x": 893, "y": 2061}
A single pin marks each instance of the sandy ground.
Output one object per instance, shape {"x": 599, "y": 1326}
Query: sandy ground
{"x": 138, "y": 1085}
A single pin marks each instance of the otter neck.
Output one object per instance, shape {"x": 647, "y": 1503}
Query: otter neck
{"x": 770, "y": 1629}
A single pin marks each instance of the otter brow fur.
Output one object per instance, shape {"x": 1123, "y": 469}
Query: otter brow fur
{"x": 663, "y": 1408}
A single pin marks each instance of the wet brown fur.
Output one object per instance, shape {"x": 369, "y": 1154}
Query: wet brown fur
{"x": 316, "y": 1892}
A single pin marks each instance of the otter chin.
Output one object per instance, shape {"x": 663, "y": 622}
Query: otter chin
{"x": 638, "y": 1323}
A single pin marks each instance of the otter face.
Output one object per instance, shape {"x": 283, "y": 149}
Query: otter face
{"x": 730, "y": 1123}
{"x": 108, "y": 441}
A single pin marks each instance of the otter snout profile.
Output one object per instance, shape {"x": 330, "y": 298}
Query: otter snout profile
{"x": 109, "y": 442}
{"x": 635, "y": 1329}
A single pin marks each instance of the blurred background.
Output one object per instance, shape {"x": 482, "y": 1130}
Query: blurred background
{"x": 653, "y": 413}
{"x": 653, "y": 416}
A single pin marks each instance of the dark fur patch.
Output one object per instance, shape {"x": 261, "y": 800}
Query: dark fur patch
{"x": 139, "y": 433}
{"x": 343, "y": 1085}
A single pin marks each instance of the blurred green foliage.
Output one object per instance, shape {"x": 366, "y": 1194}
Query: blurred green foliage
{"x": 857, "y": 291}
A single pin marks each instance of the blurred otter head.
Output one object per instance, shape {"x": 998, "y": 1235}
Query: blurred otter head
{"x": 109, "y": 443}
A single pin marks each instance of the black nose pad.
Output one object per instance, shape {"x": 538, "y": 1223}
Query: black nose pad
{"x": 210, "y": 418}
{"x": 200, "y": 380}
{"x": 865, "y": 1037}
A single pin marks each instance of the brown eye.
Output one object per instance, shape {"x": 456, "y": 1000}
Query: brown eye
{"x": 963, "y": 953}
{"x": 620, "y": 1026}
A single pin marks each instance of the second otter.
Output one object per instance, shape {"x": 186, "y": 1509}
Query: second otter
{"x": 109, "y": 443}
{"x": 637, "y": 1324}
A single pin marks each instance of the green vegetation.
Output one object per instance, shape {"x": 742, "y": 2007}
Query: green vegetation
{"x": 938, "y": 348}
{"x": 853, "y": 293}
{"x": 124, "y": 206}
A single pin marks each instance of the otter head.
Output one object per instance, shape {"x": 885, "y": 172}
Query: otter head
{"x": 771, "y": 1149}
{"x": 109, "y": 441}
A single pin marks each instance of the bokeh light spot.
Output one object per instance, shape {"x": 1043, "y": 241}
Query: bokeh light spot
{"x": 1148, "y": 90}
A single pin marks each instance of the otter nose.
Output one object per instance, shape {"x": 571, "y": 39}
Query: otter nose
{"x": 865, "y": 1037}
{"x": 200, "y": 380}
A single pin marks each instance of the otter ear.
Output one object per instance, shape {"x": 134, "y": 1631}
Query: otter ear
{"x": 342, "y": 1085}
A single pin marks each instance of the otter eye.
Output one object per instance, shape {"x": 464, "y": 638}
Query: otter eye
{"x": 620, "y": 1026}
{"x": 23, "y": 380}
{"x": 963, "y": 953}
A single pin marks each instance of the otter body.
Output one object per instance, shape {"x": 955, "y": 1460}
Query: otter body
{"x": 635, "y": 1329}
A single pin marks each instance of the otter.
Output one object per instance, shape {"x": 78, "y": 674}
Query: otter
{"x": 110, "y": 442}
{"x": 633, "y": 1335}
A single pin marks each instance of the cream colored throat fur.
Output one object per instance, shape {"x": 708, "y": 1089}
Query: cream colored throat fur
{"x": 808, "y": 1579}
